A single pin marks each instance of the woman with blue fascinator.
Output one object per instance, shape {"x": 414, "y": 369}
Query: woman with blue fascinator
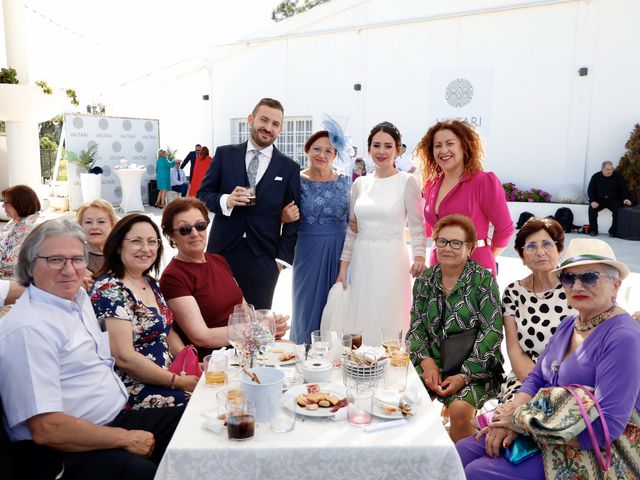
{"x": 324, "y": 208}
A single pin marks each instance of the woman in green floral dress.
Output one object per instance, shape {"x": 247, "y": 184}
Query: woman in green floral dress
{"x": 454, "y": 296}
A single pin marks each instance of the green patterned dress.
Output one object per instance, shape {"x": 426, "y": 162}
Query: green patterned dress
{"x": 474, "y": 301}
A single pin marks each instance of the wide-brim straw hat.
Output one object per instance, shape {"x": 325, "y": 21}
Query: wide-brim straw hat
{"x": 586, "y": 251}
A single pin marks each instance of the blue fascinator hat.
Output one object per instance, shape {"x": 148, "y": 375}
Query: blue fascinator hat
{"x": 342, "y": 143}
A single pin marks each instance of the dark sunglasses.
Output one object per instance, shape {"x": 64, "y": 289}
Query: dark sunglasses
{"x": 587, "y": 279}
{"x": 186, "y": 229}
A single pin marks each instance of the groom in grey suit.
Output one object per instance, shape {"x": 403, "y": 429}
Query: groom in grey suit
{"x": 251, "y": 237}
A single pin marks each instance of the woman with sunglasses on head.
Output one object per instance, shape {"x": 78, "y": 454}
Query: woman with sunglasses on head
{"x": 597, "y": 347}
{"x": 199, "y": 287}
{"x": 457, "y": 297}
{"x": 534, "y": 306}
{"x": 127, "y": 299}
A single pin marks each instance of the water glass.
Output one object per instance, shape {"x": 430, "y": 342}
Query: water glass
{"x": 283, "y": 413}
{"x": 241, "y": 420}
{"x": 347, "y": 344}
{"x": 320, "y": 344}
{"x": 356, "y": 338}
{"x": 359, "y": 406}
{"x": 391, "y": 339}
{"x": 395, "y": 374}
{"x": 216, "y": 369}
{"x": 226, "y": 397}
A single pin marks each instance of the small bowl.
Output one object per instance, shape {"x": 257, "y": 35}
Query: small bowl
{"x": 317, "y": 371}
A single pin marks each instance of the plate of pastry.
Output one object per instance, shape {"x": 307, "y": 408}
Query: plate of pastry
{"x": 316, "y": 400}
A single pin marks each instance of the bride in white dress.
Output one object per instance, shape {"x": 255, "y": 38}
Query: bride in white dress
{"x": 376, "y": 256}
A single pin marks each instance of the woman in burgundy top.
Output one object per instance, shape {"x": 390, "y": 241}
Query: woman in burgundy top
{"x": 199, "y": 287}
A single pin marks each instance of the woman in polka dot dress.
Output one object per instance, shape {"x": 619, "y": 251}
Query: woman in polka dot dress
{"x": 534, "y": 306}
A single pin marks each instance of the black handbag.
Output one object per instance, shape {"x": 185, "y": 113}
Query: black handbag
{"x": 455, "y": 349}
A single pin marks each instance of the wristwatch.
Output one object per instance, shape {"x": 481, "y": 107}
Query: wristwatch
{"x": 466, "y": 379}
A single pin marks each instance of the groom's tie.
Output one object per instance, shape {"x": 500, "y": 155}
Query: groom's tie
{"x": 252, "y": 169}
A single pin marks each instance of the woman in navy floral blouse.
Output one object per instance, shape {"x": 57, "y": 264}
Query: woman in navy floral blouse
{"x": 128, "y": 302}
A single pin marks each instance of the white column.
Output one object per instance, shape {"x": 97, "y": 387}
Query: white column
{"x": 23, "y": 154}
{"x": 23, "y": 149}
{"x": 15, "y": 38}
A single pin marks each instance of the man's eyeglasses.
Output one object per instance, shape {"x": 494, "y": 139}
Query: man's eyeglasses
{"x": 139, "y": 243}
{"x": 58, "y": 262}
{"x": 546, "y": 245}
{"x": 185, "y": 230}
{"x": 587, "y": 279}
{"x": 328, "y": 152}
{"x": 455, "y": 244}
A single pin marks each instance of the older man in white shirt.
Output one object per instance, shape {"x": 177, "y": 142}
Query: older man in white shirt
{"x": 59, "y": 392}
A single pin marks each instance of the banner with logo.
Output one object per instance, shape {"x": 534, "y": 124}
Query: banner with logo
{"x": 134, "y": 139}
{"x": 461, "y": 94}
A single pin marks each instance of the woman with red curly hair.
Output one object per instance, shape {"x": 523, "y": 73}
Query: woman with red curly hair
{"x": 455, "y": 182}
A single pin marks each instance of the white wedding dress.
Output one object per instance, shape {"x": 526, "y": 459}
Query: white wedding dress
{"x": 380, "y": 296}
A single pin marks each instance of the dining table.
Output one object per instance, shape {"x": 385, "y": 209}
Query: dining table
{"x": 316, "y": 449}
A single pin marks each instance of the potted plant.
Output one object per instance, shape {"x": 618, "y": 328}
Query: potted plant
{"x": 91, "y": 178}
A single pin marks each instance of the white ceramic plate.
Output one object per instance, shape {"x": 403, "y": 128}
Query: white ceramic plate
{"x": 379, "y": 412}
{"x": 282, "y": 347}
{"x": 333, "y": 388}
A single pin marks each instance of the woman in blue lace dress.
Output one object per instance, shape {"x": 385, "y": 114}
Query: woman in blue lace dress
{"x": 324, "y": 206}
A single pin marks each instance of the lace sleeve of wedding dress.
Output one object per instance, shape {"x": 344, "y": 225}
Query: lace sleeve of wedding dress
{"x": 351, "y": 235}
{"x": 413, "y": 206}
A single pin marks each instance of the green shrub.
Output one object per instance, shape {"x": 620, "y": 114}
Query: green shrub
{"x": 629, "y": 165}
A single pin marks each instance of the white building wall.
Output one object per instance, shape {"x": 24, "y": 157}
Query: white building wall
{"x": 549, "y": 127}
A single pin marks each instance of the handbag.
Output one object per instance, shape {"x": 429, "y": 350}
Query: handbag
{"x": 186, "y": 362}
{"x": 455, "y": 349}
{"x": 557, "y": 414}
{"x": 520, "y": 449}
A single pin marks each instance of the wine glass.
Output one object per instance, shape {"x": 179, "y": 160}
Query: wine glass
{"x": 245, "y": 308}
{"x": 237, "y": 330}
{"x": 265, "y": 332}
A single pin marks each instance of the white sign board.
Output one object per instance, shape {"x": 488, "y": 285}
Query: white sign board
{"x": 463, "y": 95}
{"x": 136, "y": 139}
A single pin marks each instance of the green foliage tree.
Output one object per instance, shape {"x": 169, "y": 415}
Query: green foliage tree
{"x": 8, "y": 75}
{"x": 289, "y": 8}
{"x": 629, "y": 165}
{"x": 48, "y": 142}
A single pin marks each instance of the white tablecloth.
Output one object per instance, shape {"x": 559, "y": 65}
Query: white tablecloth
{"x": 130, "y": 182}
{"x": 317, "y": 449}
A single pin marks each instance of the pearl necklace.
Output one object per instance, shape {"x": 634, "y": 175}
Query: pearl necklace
{"x": 586, "y": 325}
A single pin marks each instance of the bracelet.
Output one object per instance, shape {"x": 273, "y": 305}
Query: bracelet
{"x": 172, "y": 383}
{"x": 466, "y": 379}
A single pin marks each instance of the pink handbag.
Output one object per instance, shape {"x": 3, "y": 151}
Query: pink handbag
{"x": 186, "y": 362}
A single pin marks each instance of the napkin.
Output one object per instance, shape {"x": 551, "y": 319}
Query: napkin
{"x": 215, "y": 426}
{"x": 376, "y": 427}
{"x": 229, "y": 352}
{"x": 300, "y": 351}
{"x": 371, "y": 352}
